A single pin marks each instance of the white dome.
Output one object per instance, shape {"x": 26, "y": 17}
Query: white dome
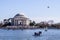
{"x": 22, "y": 13}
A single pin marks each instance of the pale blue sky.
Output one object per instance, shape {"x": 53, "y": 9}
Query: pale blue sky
{"x": 35, "y": 9}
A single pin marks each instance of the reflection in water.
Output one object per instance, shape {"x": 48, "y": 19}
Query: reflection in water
{"x": 51, "y": 34}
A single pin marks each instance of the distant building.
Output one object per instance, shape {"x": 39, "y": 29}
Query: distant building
{"x": 18, "y": 20}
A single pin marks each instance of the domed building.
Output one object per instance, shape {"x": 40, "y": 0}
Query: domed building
{"x": 18, "y": 20}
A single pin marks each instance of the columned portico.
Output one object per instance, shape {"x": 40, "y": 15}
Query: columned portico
{"x": 20, "y": 20}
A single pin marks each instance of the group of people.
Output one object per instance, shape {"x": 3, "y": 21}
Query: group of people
{"x": 37, "y": 33}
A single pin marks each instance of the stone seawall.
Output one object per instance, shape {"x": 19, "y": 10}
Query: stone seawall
{"x": 19, "y": 27}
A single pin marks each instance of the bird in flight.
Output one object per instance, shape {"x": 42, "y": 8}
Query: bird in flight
{"x": 48, "y": 7}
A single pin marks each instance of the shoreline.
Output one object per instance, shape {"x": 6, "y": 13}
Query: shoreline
{"x": 25, "y": 28}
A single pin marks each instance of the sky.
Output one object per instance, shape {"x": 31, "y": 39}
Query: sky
{"x": 36, "y": 10}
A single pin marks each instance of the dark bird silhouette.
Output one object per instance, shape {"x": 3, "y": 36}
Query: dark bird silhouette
{"x": 48, "y": 7}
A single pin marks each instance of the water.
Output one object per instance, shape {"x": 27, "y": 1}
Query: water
{"x": 51, "y": 34}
